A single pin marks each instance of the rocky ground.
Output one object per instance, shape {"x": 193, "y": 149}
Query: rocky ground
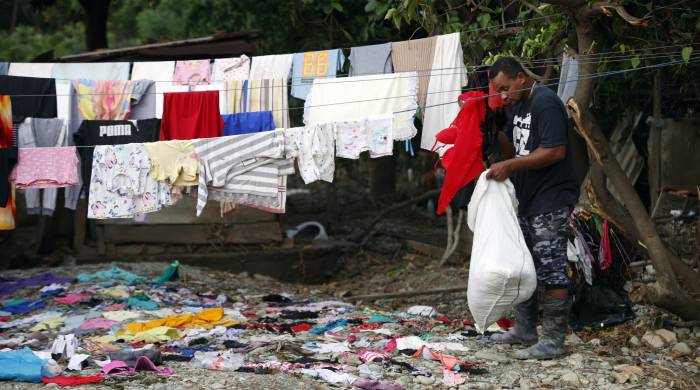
{"x": 633, "y": 355}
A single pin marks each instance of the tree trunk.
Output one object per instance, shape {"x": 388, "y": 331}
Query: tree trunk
{"x": 667, "y": 292}
{"x": 96, "y": 13}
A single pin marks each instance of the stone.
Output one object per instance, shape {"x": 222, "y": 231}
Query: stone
{"x": 625, "y": 372}
{"x": 573, "y": 339}
{"x": 634, "y": 341}
{"x": 549, "y": 363}
{"x": 594, "y": 342}
{"x": 424, "y": 380}
{"x": 52, "y": 385}
{"x": 653, "y": 340}
{"x": 488, "y": 355}
{"x": 576, "y": 360}
{"x": 680, "y": 349}
{"x": 570, "y": 378}
{"x": 668, "y": 336}
{"x": 525, "y": 384}
{"x": 625, "y": 351}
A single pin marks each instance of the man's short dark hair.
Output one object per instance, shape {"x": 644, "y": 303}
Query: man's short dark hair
{"x": 509, "y": 66}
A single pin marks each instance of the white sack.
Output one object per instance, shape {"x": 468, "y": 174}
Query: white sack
{"x": 501, "y": 273}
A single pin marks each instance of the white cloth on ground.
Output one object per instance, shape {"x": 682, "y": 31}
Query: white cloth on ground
{"x": 447, "y": 77}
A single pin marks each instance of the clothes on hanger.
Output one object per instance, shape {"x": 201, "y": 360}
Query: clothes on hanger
{"x": 250, "y": 166}
{"x": 374, "y": 134}
{"x": 372, "y": 59}
{"x": 312, "y": 64}
{"x": 235, "y": 96}
{"x": 98, "y": 132}
{"x": 103, "y": 99}
{"x": 271, "y": 67}
{"x": 143, "y": 99}
{"x": 567, "y": 78}
{"x": 31, "y": 69}
{"x": 447, "y": 77}
{"x": 164, "y": 88}
{"x": 219, "y": 87}
{"x": 192, "y": 72}
{"x": 173, "y": 161}
{"x": 248, "y": 122}
{"x": 7, "y": 160}
{"x": 268, "y": 95}
{"x": 121, "y": 184}
{"x": 360, "y": 97}
{"x": 314, "y": 149}
{"x": 191, "y": 115}
{"x": 415, "y": 55}
{"x": 158, "y": 71}
{"x": 46, "y": 167}
{"x": 31, "y": 97}
{"x": 233, "y": 68}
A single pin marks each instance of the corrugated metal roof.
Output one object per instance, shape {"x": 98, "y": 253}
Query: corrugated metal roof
{"x": 231, "y": 44}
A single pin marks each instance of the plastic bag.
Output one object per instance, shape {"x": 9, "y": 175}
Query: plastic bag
{"x": 501, "y": 272}
{"x": 220, "y": 361}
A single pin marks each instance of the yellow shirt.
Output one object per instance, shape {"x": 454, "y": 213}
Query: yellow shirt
{"x": 174, "y": 161}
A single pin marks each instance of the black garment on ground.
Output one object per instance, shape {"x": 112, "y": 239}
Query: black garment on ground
{"x": 231, "y": 344}
{"x": 541, "y": 121}
{"x": 8, "y": 159}
{"x": 276, "y": 298}
{"x": 298, "y": 315}
{"x": 99, "y": 132}
{"x": 41, "y": 103}
{"x": 600, "y": 307}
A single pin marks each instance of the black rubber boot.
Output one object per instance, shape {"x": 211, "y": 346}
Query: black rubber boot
{"x": 555, "y": 322}
{"x": 525, "y": 330}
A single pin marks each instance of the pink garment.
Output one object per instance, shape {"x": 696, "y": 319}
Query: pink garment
{"x": 373, "y": 356}
{"x": 114, "y": 307}
{"x": 143, "y": 363}
{"x": 97, "y": 323}
{"x": 605, "y": 253}
{"x": 73, "y": 298}
{"x": 192, "y": 72}
{"x": 451, "y": 378}
{"x": 46, "y": 168}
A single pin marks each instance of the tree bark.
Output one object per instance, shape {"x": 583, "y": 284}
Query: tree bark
{"x": 96, "y": 13}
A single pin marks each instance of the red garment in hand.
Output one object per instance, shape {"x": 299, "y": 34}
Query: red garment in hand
{"x": 65, "y": 381}
{"x": 190, "y": 115}
{"x": 463, "y": 162}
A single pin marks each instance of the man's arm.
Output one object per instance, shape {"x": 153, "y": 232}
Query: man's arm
{"x": 505, "y": 146}
{"x": 539, "y": 158}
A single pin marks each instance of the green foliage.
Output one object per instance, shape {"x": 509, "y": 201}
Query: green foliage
{"x": 26, "y": 43}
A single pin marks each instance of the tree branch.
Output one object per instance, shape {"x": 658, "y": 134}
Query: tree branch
{"x": 537, "y": 10}
{"x": 607, "y": 8}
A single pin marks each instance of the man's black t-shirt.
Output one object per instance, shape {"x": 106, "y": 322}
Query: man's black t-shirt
{"x": 39, "y": 100}
{"x": 541, "y": 121}
{"x": 101, "y": 132}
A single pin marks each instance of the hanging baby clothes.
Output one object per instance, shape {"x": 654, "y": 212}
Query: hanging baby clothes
{"x": 248, "y": 122}
{"x": 234, "y": 68}
{"x": 8, "y": 157}
{"x": 447, "y": 77}
{"x": 190, "y": 115}
{"x": 220, "y": 88}
{"x": 463, "y": 162}
{"x": 161, "y": 73}
{"x": 103, "y": 99}
{"x": 121, "y": 185}
{"x": 374, "y": 134}
{"x": 372, "y": 59}
{"x": 245, "y": 164}
{"x": 45, "y": 132}
{"x": 48, "y": 167}
{"x": 271, "y": 67}
{"x": 276, "y": 203}
{"x": 31, "y": 97}
{"x": 357, "y": 98}
{"x": 111, "y": 133}
{"x": 174, "y": 161}
{"x": 314, "y": 149}
{"x": 192, "y": 72}
{"x": 415, "y": 55}
{"x": 310, "y": 65}
{"x": 268, "y": 95}
{"x": 143, "y": 99}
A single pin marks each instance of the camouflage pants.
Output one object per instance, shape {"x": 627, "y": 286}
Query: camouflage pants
{"x": 546, "y": 236}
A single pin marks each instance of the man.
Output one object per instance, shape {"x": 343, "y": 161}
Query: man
{"x": 541, "y": 168}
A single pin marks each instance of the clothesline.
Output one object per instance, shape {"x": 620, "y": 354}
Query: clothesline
{"x": 611, "y": 56}
{"x": 693, "y": 60}
{"x": 408, "y": 74}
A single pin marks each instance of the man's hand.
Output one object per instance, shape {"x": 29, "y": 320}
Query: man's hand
{"x": 500, "y": 170}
